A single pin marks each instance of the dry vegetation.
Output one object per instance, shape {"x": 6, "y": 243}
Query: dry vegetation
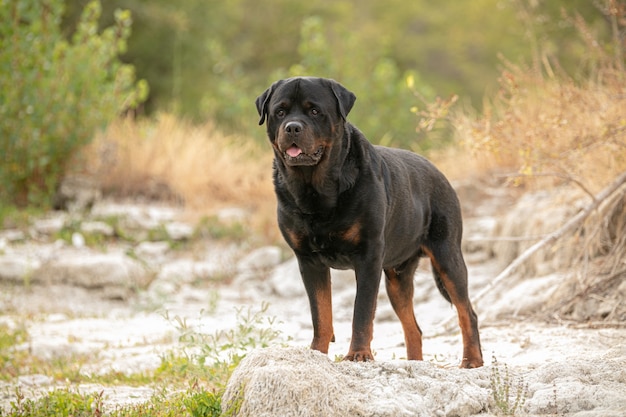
{"x": 553, "y": 128}
{"x": 542, "y": 123}
{"x": 563, "y": 141}
{"x": 167, "y": 159}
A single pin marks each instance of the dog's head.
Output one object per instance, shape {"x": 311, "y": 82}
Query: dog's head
{"x": 305, "y": 117}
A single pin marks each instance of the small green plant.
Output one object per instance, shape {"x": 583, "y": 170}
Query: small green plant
{"x": 202, "y": 403}
{"x": 213, "y": 356}
{"x": 12, "y": 217}
{"x": 212, "y": 227}
{"x": 10, "y": 356}
{"x": 195, "y": 401}
{"x": 159, "y": 233}
{"x": 192, "y": 379}
{"x": 509, "y": 395}
{"x": 58, "y": 403}
{"x": 234, "y": 405}
{"x": 74, "y": 226}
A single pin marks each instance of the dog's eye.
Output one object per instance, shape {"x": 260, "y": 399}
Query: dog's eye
{"x": 281, "y": 113}
{"x": 315, "y": 112}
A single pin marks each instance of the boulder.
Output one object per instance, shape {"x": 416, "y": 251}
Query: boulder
{"x": 115, "y": 273}
{"x": 303, "y": 382}
{"x": 260, "y": 259}
{"x": 76, "y": 193}
{"x": 285, "y": 280}
{"x": 17, "y": 269}
{"x": 50, "y": 225}
{"x": 187, "y": 271}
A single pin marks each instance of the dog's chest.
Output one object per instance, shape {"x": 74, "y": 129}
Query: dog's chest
{"x": 333, "y": 245}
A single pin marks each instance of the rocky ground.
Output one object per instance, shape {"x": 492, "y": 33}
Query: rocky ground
{"x": 116, "y": 284}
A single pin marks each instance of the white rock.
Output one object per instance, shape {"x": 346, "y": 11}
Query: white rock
{"x": 12, "y": 235}
{"x": 260, "y": 259}
{"x": 17, "y": 269}
{"x": 232, "y": 215}
{"x": 285, "y": 280}
{"x": 78, "y": 240}
{"x": 299, "y": 381}
{"x": 50, "y": 226}
{"x": 100, "y": 228}
{"x": 93, "y": 270}
{"x": 152, "y": 250}
{"x": 35, "y": 380}
{"x": 597, "y": 384}
{"x": 161, "y": 288}
{"x": 137, "y": 216}
{"x": 179, "y": 231}
{"x": 185, "y": 271}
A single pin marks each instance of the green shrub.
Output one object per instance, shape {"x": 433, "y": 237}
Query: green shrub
{"x": 55, "y": 93}
{"x": 384, "y": 98}
{"x": 385, "y": 93}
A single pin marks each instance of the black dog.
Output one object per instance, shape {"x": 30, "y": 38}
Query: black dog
{"x": 345, "y": 203}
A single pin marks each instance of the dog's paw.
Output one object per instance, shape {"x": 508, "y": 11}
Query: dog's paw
{"x": 359, "y": 356}
{"x": 469, "y": 363}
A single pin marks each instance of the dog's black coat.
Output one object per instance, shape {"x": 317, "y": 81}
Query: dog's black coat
{"x": 345, "y": 203}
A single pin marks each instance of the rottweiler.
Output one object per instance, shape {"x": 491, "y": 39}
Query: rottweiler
{"x": 344, "y": 203}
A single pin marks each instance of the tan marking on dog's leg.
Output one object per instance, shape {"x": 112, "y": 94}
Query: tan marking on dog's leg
{"x": 323, "y": 332}
{"x": 468, "y": 321}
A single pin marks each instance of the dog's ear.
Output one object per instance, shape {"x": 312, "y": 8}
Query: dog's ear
{"x": 345, "y": 98}
{"x": 261, "y": 104}
{"x": 263, "y": 100}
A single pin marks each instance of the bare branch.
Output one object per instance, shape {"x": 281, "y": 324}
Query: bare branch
{"x": 565, "y": 177}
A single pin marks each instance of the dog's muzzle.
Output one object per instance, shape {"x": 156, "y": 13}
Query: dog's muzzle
{"x": 299, "y": 148}
{"x": 295, "y": 156}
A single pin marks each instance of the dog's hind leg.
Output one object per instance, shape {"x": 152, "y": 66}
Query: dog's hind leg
{"x": 451, "y": 275}
{"x": 399, "y": 284}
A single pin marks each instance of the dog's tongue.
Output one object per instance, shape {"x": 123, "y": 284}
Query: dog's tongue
{"x": 294, "y": 151}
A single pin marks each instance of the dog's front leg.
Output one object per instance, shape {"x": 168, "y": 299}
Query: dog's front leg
{"x": 316, "y": 280}
{"x": 368, "y": 275}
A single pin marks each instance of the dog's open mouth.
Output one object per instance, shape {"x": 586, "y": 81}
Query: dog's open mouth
{"x": 295, "y": 156}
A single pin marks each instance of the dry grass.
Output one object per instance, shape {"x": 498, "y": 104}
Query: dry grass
{"x": 195, "y": 166}
{"x": 553, "y": 129}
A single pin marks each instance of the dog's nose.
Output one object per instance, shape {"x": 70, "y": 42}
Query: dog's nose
{"x": 293, "y": 128}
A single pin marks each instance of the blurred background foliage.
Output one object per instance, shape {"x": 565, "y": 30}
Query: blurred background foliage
{"x": 211, "y": 58}
{"x": 70, "y": 68}
{"x": 56, "y": 91}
